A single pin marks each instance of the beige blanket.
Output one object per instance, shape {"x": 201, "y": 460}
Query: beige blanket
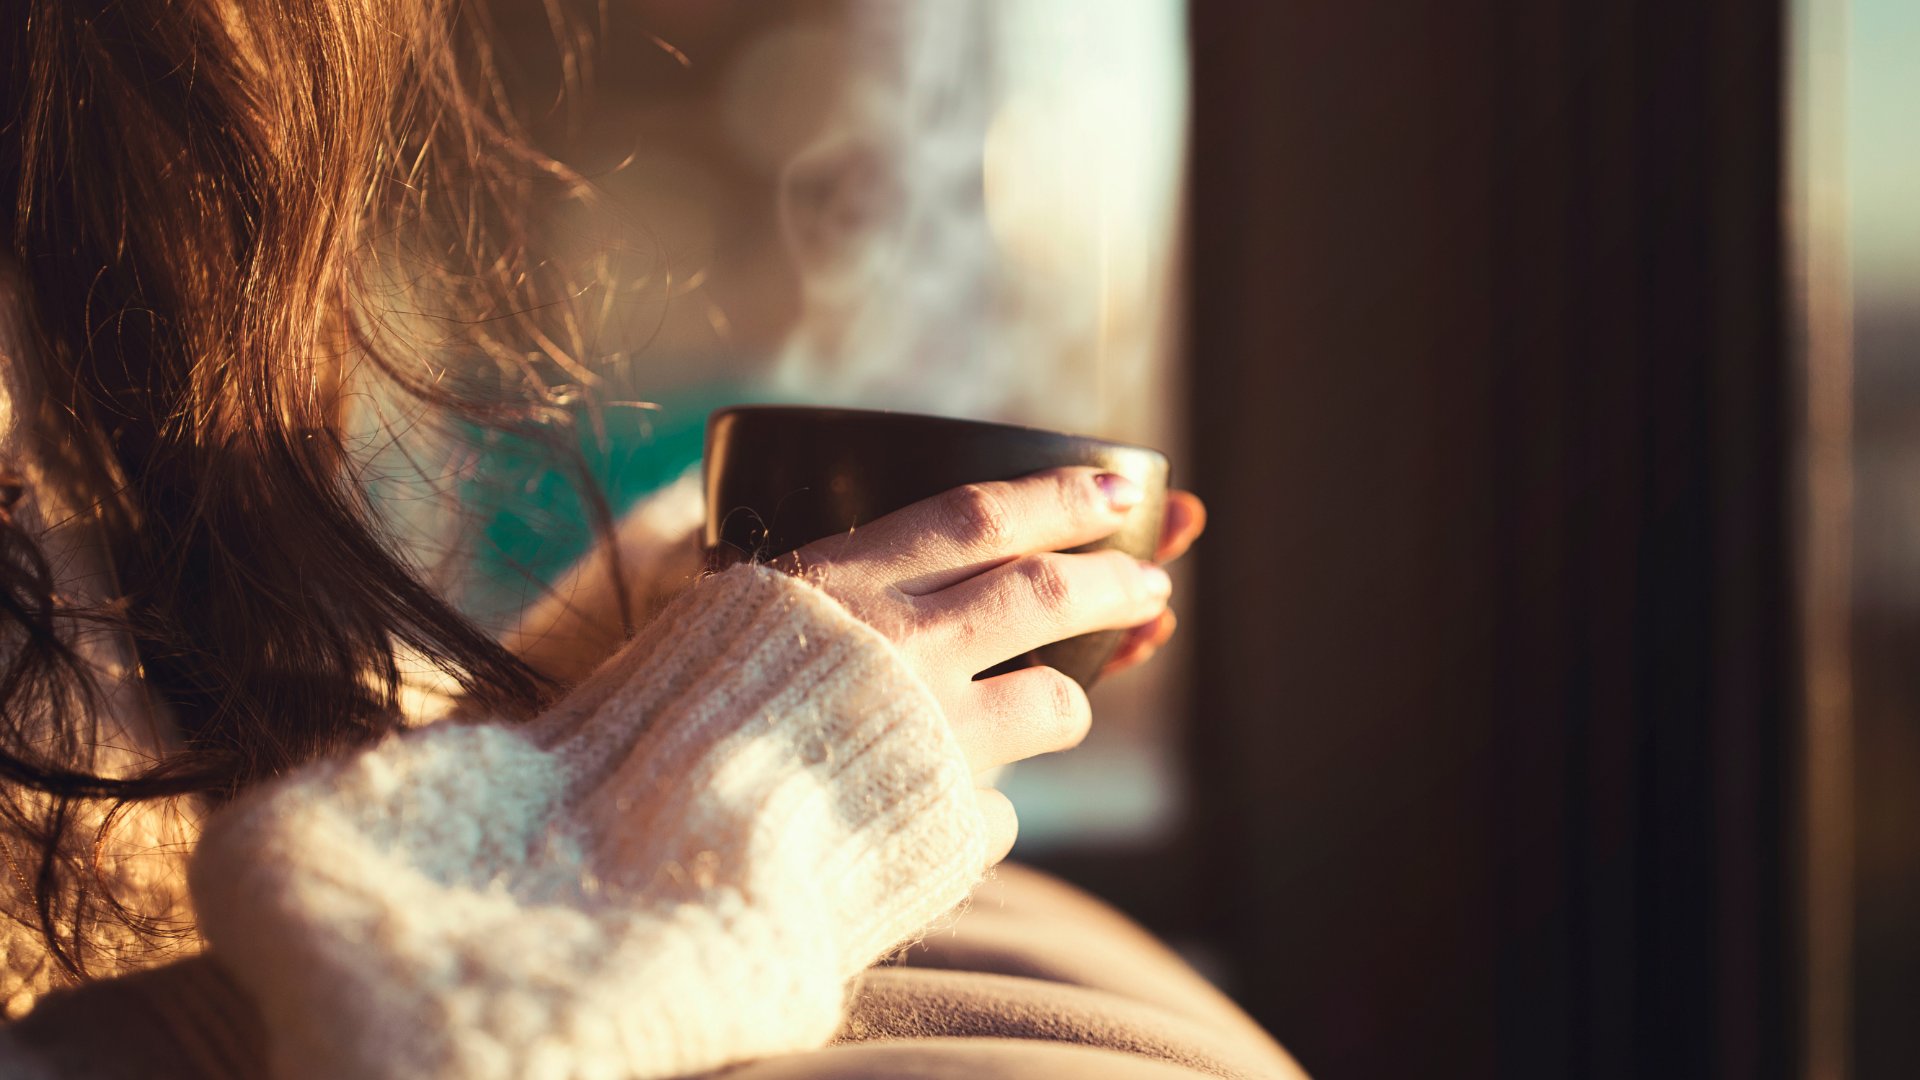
{"x": 1036, "y": 980}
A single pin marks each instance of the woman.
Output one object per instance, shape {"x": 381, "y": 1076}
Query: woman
{"x": 673, "y": 863}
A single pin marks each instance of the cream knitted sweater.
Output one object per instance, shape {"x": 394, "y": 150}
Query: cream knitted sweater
{"x": 678, "y": 867}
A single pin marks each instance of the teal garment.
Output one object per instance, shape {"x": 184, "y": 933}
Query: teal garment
{"x": 533, "y": 522}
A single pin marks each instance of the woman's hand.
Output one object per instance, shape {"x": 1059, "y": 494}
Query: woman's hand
{"x": 1186, "y": 520}
{"x": 969, "y": 578}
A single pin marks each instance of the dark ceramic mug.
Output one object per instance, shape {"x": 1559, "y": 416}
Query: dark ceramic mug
{"x": 779, "y": 477}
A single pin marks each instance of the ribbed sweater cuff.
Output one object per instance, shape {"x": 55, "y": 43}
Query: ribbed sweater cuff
{"x": 802, "y": 730}
{"x": 676, "y": 868}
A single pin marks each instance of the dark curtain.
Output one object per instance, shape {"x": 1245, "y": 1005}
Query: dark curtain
{"x": 1491, "y": 399}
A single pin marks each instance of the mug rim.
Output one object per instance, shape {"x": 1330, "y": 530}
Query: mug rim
{"x": 827, "y": 411}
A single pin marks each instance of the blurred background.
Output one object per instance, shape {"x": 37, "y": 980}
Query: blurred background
{"x": 1882, "y": 184}
{"x": 1548, "y": 696}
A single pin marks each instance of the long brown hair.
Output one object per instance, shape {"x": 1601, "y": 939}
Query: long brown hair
{"x": 194, "y": 192}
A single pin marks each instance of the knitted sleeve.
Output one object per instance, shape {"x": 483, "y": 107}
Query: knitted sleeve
{"x": 678, "y": 867}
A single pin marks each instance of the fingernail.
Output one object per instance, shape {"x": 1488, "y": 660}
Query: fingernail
{"x": 1157, "y": 580}
{"x": 1122, "y": 493}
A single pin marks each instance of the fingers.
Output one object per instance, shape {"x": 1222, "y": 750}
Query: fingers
{"x": 1186, "y": 520}
{"x": 1022, "y": 714}
{"x": 1040, "y": 599}
{"x": 1142, "y": 643}
{"x": 960, "y": 533}
{"x": 1003, "y": 826}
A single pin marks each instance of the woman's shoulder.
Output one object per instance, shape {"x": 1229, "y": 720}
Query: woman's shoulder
{"x": 144, "y": 865}
{"x": 55, "y": 511}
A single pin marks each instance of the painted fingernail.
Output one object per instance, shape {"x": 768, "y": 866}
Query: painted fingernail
{"x": 1122, "y": 493}
{"x": 1158, "y": 583}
